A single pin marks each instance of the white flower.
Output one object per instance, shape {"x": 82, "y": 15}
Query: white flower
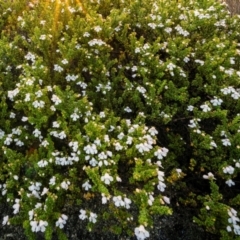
{"x": 179, "y": 171}
{"x": 228, "y": 169}
{"x": 82, "y": 85}
{"x": 29, "y": 82}
{"x": 12, "y": 115}
{"x": 200, "y": 62}
{"x": 42, "y": 163}
{"x": 141, "y": 89}
{"x": 43, "y": 225}
{"x": 64, "y": 61}
{"x": 102, "y": 156}
{"x": 153, "y": 131}
{"x": 168, "y": 30}
{"x": 91, "y": 149}
{"x": 216, "y": 101}
{"x": 235, "y": 95}
{"x": 232, "y": 60}
{"x": 118, "y": 146}
{"x": 151, "y": 199}
{"x": 83, "y": 214}
{"x": 120, "y": 136}
{"x": 93, "y": 162}
{"x": 237, "y": 165}
{"x": 38, "y": 226}
{"x": 2, "y": 133}
{"x": 56, "y": 99}
{"x": 97, "y": 142}
{"x": 16, "y": 131}
{"x": 102, "y": 115}
{"x": 171, "y": 66}
{"x": 213, "y": 144}
{"x": 74, "y": 146}
{"x": 19, "y": 143}
{"x": 181, "y": 31}
{"x": 209, "y": 176}
{"x": 104, "y": 198}
{"x": 86, "y": 34}
{"x": 49, "y": 88}
{"x": 45, "y": 190}
{"x": 118, "y": 179}
{"x": 127, "y": 202}
{"x": 193, "y": 123}
{"x": 55, "y": 124}
{"x": 62, "y": 135}
{"x": 31, "y": 214}
{"x": 226, "y": 142}
{"x": 152, "y": 25}
{"x": 34, "y": 225}
{"x": 229, "y": 229}
{"x": 161, "y": 186}
{"x": 16, "y": 206}
{"x": 61, "y": 221}
{"x": 186, "y": 59}
{"x": 71, "y": 77}
{"x": 229, "y": 72}
{"x": 57, "y": 68}
{"x": 137, "y": 50}
{"x": 223, "y": 133}
{"x": 15, "y": 177}
{"x": 190, "y": 108}
{"x": 30, "y": 56}
{"x": 42, "y": 37}
{"x": 160, "y": 175}
{"x": 230, "y": 182}
{"x": 36, "y": 133}
{"x": 166, "y": 199}
{"x": 95, "y": 41}
{"x": 5, "y": 220}
{"x": 205, "y": 108}
{"x": 134, "y": 68}
{"x": 87, "y": 185}
{"x": 38, "y": 205}
{"x": 118, "y": 201}
{"x": 127, "y": 109}
{"x": 161, "y": 152}
{"x": 4, "y": 189}
{"x": 93, "y": 217}
{"x": 8, "y": 139}
{"x": 27, "y": 97}
{"x": 143, "y": 147}
{"x": 141, "y": 233}
{"x": 52, "y": 181}
{"x": 97, "y": 28}
{"x": 38, "y": 104}
{"x": 34, "y": 188}
{"x": 107, "y": 179}
{"x": 228, "y": 90}
{"x": 53, "y": 108}
{"x": 65, "y": 184}
{"x": 24, "y": 119}
{"x": 129, "y": 140}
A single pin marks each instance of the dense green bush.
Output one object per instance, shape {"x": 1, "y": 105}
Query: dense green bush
{"x": 125, "y": 109}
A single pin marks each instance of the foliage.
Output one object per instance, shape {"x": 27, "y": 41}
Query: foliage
{"x": 124, "y": 105}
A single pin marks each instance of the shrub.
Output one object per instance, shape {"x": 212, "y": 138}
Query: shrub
{"x": 118, "y": 108}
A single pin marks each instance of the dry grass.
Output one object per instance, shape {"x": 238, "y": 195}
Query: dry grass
{"x": 233, "y": 6}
